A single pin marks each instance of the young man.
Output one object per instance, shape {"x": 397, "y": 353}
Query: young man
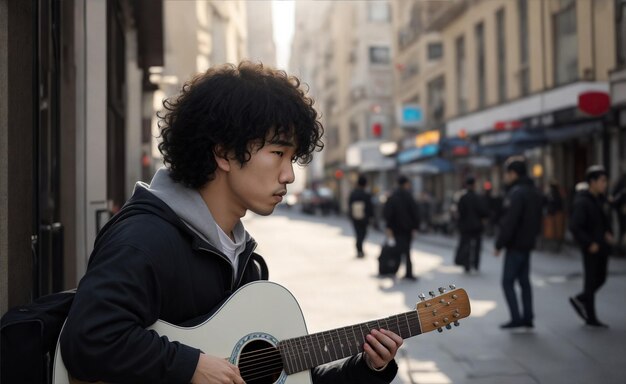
{"x": 591, "y": 226}
{"x": 178, "y": 248}
{"x": 402, "y": 220}
{"x": 519, "y": 229}
{"x": 360, "y": 206}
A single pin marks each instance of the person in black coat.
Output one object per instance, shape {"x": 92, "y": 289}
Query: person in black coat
{"x": 402, "y": 219}
{"x": 590, "y": 225}
{"x": 519, "y": 228}
{"x": 178, "y": 249}
{"x": 471, "y": 211}
{"x": 361, "y": 211}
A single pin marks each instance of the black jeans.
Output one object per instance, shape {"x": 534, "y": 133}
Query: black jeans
{"x": 403, "y": 243}
{"x": 360, "y": 231}
{"x": 595, "y": 271}
{"x": 517, "y": 268}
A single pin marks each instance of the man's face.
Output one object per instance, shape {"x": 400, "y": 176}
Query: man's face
{"x": 260, "y": 184}
{"x": 509, "y": 177}
{"x": 599, "y": 185}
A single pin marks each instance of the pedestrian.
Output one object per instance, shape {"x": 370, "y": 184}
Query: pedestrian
{"x": 590, "y": 225}
{"x": 178, "y": 248}
{"x": 361, "y": 213}
{"x": 519, "y": 228}
{"x": 471, "y": 211}
{"x": 402, "y": 220}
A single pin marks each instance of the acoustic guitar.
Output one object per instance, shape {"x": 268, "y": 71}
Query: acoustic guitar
{"x": 261, "y": 329}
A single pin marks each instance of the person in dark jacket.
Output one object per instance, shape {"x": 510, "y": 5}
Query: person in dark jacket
{"x": 590, "y": 225}
{"x": 471, "y": 211}
{"x": 178, "y": 248}
{"x": 519, "y": 228}
{"x": 361, "y": 212}
{"x": 402, "y": 221}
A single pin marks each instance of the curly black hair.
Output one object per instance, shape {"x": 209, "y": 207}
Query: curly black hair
{"x": 234, "y": 107}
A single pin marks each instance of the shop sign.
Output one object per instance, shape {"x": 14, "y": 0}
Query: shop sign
{"x": 495, "y": 138}
{"x": 411, "y": 116}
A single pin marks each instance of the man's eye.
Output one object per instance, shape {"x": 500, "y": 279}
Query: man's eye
{"x": 279, "y": 153}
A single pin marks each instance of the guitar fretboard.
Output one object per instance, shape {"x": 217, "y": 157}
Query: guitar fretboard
{"x": 306, "y": 352}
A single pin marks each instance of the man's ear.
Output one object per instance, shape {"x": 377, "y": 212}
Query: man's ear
{"x": 221, "y": 157}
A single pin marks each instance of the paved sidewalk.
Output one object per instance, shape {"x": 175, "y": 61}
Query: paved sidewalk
{"x": 314, "y": 257}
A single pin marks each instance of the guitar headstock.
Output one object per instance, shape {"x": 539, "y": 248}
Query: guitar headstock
{"x": 443, "y": 310}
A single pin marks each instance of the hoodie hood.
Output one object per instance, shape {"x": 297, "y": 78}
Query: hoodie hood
{"x": 188, "y": 205}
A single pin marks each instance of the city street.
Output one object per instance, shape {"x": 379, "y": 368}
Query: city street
{"x": 314, "y": 257}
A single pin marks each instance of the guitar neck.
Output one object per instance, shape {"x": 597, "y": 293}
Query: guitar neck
{"x": 306, "y": 352}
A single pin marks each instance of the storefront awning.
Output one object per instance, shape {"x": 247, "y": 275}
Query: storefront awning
{"x": 432, "y": 166}
{"x": 509, "y": 143}
{"x": 573, "y": 131}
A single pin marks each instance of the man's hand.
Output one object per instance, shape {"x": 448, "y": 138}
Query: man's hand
{"x": 496, "y": 252}
{"x": 609, "y": 238}
{"x": 381, "y": 347}
{"x": 214, "y": 370}
{"x": 594, "y": 248}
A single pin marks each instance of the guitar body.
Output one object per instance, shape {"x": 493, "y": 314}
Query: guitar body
{"x": 253, "y": 320}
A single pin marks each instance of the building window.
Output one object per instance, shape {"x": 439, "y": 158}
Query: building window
{"x": 378, "y": 12}
{"x": 436, "y": 102}
{"x": 461, "y": 76}
{"x": 435, "y": 51}
{"x": 524, "y": 72}
{"x": 479, "y": 32}
{"x": 565, "y": 44}
{"x": 501, "y": 54}
{"x": 620, "y": 30}
{"x": 380, "y": 55}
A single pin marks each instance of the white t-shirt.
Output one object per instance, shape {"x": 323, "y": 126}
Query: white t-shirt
{"x": 230, "y": 248}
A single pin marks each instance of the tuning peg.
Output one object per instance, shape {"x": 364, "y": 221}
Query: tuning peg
{"x": 448, "y": 326}
{"x": 452, "y": 286}
{"x": 439, "y": 330}
{"x": 422, "y": 296}
{"x": 456, "y": 323}
{"x": 431, "y": 293}
{"x": 442, "y": 290}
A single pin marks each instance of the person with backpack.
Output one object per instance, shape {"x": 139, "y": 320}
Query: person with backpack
{"x": 178, "y": 248}
{"x": 471, "y": 211}
{"x": 361, "y": 212}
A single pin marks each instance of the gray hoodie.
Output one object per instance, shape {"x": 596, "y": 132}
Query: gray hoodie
{"x": 188, "y": 204}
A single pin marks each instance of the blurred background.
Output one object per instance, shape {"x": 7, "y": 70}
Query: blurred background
{"x": 435, "y": 90}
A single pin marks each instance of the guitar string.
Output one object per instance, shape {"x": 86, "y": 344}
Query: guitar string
{"x": 310, "y": 341}
{"x": 246, "y": 361}
{"x": 333, "y": 338}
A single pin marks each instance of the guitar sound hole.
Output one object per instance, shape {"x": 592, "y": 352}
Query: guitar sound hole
{"x": 260, "y": 363}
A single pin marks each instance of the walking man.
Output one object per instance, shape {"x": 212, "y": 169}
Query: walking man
{"x": 471, "y": 212}
{"x": 591, "y": 226}
{"x": 360, "y": 205}
{"x": 519, "y": 229}
{"x": 402, "y": 220}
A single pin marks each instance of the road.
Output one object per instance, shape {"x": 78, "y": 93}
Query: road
{"x": 314, "y": 257}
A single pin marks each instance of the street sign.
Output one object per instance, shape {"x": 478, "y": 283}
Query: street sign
{"x": 410, "y": 116}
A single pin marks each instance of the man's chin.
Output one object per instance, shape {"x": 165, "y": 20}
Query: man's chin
{"x": 263, "y": 211}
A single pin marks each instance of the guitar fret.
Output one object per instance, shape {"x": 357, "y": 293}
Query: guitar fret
{"x": 406, "y": 318}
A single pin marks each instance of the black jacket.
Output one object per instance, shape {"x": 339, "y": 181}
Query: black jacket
{"x": 590, "y": 220}
{"x": 401, "y": 212}
{"x": 521, "y": 221}
{"x": 472, "y": 210}
{"x": 360, "y": 196}
{"x": 148, "y": 265}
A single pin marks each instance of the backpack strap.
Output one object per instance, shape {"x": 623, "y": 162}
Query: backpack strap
{"x": 262, "y": 265}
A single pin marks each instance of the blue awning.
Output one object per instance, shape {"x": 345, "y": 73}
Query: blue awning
{"x": 432, "y": 166}
{"x": 414, "y": 154}
{"x": 509, "y": 143}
